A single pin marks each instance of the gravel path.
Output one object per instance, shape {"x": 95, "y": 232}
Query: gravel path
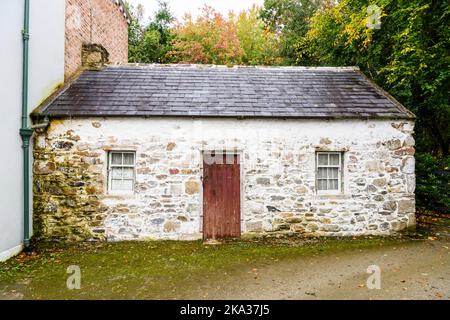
{"x": 418, "y": 270}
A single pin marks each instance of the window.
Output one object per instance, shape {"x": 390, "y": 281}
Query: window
{"x": 121, "y": 171}
{"x": 328, "y": 174}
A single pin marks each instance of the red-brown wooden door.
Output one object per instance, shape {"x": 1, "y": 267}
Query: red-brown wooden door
{"x": 221, "y": 198}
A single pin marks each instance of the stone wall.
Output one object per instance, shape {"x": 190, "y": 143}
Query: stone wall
{"x": 278, "y": 177}
{"x": 95, "y": 22}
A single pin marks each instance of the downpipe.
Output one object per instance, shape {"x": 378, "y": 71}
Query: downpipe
{"x": 26, "y": 132}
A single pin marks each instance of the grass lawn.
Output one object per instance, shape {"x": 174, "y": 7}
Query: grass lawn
{"x": 154, "y": 269}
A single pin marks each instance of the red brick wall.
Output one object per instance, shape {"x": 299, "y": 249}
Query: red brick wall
{"x": 94, "y": 21}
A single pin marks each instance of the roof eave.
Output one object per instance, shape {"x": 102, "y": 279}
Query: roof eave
{"x": 41, "y": 109}
{"x": 402, "y": 108}
{"x": 243, "y": 117}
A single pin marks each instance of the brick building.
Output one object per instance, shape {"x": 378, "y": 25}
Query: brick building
{"x": 103, "y": 22}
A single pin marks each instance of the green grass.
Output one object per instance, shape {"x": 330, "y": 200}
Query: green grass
{"x": 154, "y": 269}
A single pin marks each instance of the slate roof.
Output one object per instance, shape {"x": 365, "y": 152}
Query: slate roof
{"x": 219, "y": 91}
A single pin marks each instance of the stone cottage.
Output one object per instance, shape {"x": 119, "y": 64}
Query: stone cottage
{"x": 191, "y": 152}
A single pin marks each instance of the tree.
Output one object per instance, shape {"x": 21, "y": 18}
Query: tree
{"x": 289, "y": 19}
{"x": 260, "y": 45}
{"x": 150, "y": 43}
{"x": 209, "y": 39}
{"x": 161, "y": 24}
{"x": 135, "y": 31}
{"x": 408, "y": 55}
{"x": 214, "y": 39}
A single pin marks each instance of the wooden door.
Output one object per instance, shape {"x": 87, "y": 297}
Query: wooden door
{"x": 221, "y": 198}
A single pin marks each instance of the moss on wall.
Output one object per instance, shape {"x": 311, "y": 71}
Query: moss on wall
{"x": 66, "y": 189}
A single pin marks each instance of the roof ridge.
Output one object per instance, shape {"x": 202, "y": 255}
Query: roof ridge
{"x": 234, "y": 67}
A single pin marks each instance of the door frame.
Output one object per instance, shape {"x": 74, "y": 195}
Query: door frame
{"x": 234, "y": 151}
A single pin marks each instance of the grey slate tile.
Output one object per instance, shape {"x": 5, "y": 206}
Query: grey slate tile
{"x": 176, "y": 90}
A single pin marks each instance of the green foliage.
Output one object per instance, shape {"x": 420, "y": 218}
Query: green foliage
{"x": 210, "y": 38}
{"x": 290, "y": 20}
{"x": 213, "y": 39}
{"x": 433, "y": 182}
{"x": 260, "y": 45}
{"x": 408, "y": 55}
{"x": 150, "y": 43}
{"x": 135, "y": 32}
{"x": 417, "y": 69}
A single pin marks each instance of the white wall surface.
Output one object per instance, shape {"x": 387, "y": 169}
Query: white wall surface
{"x": 47, "y": 36}
{"x": 277, "y": 171}
{"x": 46, "y": 71}
{"x": 10, "y": 90}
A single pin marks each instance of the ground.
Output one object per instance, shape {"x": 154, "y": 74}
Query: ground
{"x": 246, "y": 269}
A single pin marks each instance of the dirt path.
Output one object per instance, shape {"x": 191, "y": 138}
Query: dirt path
{"x": 419, "y": 270}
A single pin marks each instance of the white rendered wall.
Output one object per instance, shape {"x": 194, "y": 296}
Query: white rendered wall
{"x": 46, "y": 72}
{"x": 277, "y": 171}
{"x": 47, "y": 36}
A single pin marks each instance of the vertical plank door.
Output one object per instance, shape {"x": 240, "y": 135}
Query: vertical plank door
{"x": 221, "y": 198}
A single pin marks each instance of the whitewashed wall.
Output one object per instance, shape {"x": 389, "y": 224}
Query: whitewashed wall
{"x": 46, "y": 72}
{"x": 47, "y": 36}
{"x": 278, "y": 171}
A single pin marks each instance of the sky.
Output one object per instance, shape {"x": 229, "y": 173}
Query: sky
{"x": 179, "y": 7}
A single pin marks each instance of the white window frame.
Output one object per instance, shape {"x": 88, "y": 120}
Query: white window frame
{"x": 340, "y": 188}
{"x": 111, "y": 165}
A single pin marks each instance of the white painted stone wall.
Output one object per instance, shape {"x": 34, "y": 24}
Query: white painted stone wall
{"x": 278, "y": 170}
{"x": 46, "y": 72}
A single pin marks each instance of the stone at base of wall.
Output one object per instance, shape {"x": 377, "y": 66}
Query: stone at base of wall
{"x": 5, "y": 255}
{"x": 292, "y": 234}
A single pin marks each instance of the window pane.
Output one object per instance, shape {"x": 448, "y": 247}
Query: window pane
{"x": 128, "y": 159}
{"x": 328, "y": 171}
{"x": 323, "y": 159}
{"x": 321, "y": 184}
{"x": 128, "y": 173}
{"x": 127, "y": 185}
{"x": 321, "y": 173}
{"x": 333, "y": 184}
{"x": 116, "y": 173}
{"x": 336, "y": 184}
{"x": 333, "y": 173}
{"x": 122, "y": 175}
{"x": 116, "y": 184}
{"x": 334, "y": 159}
{"x": 116, "y": 158}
